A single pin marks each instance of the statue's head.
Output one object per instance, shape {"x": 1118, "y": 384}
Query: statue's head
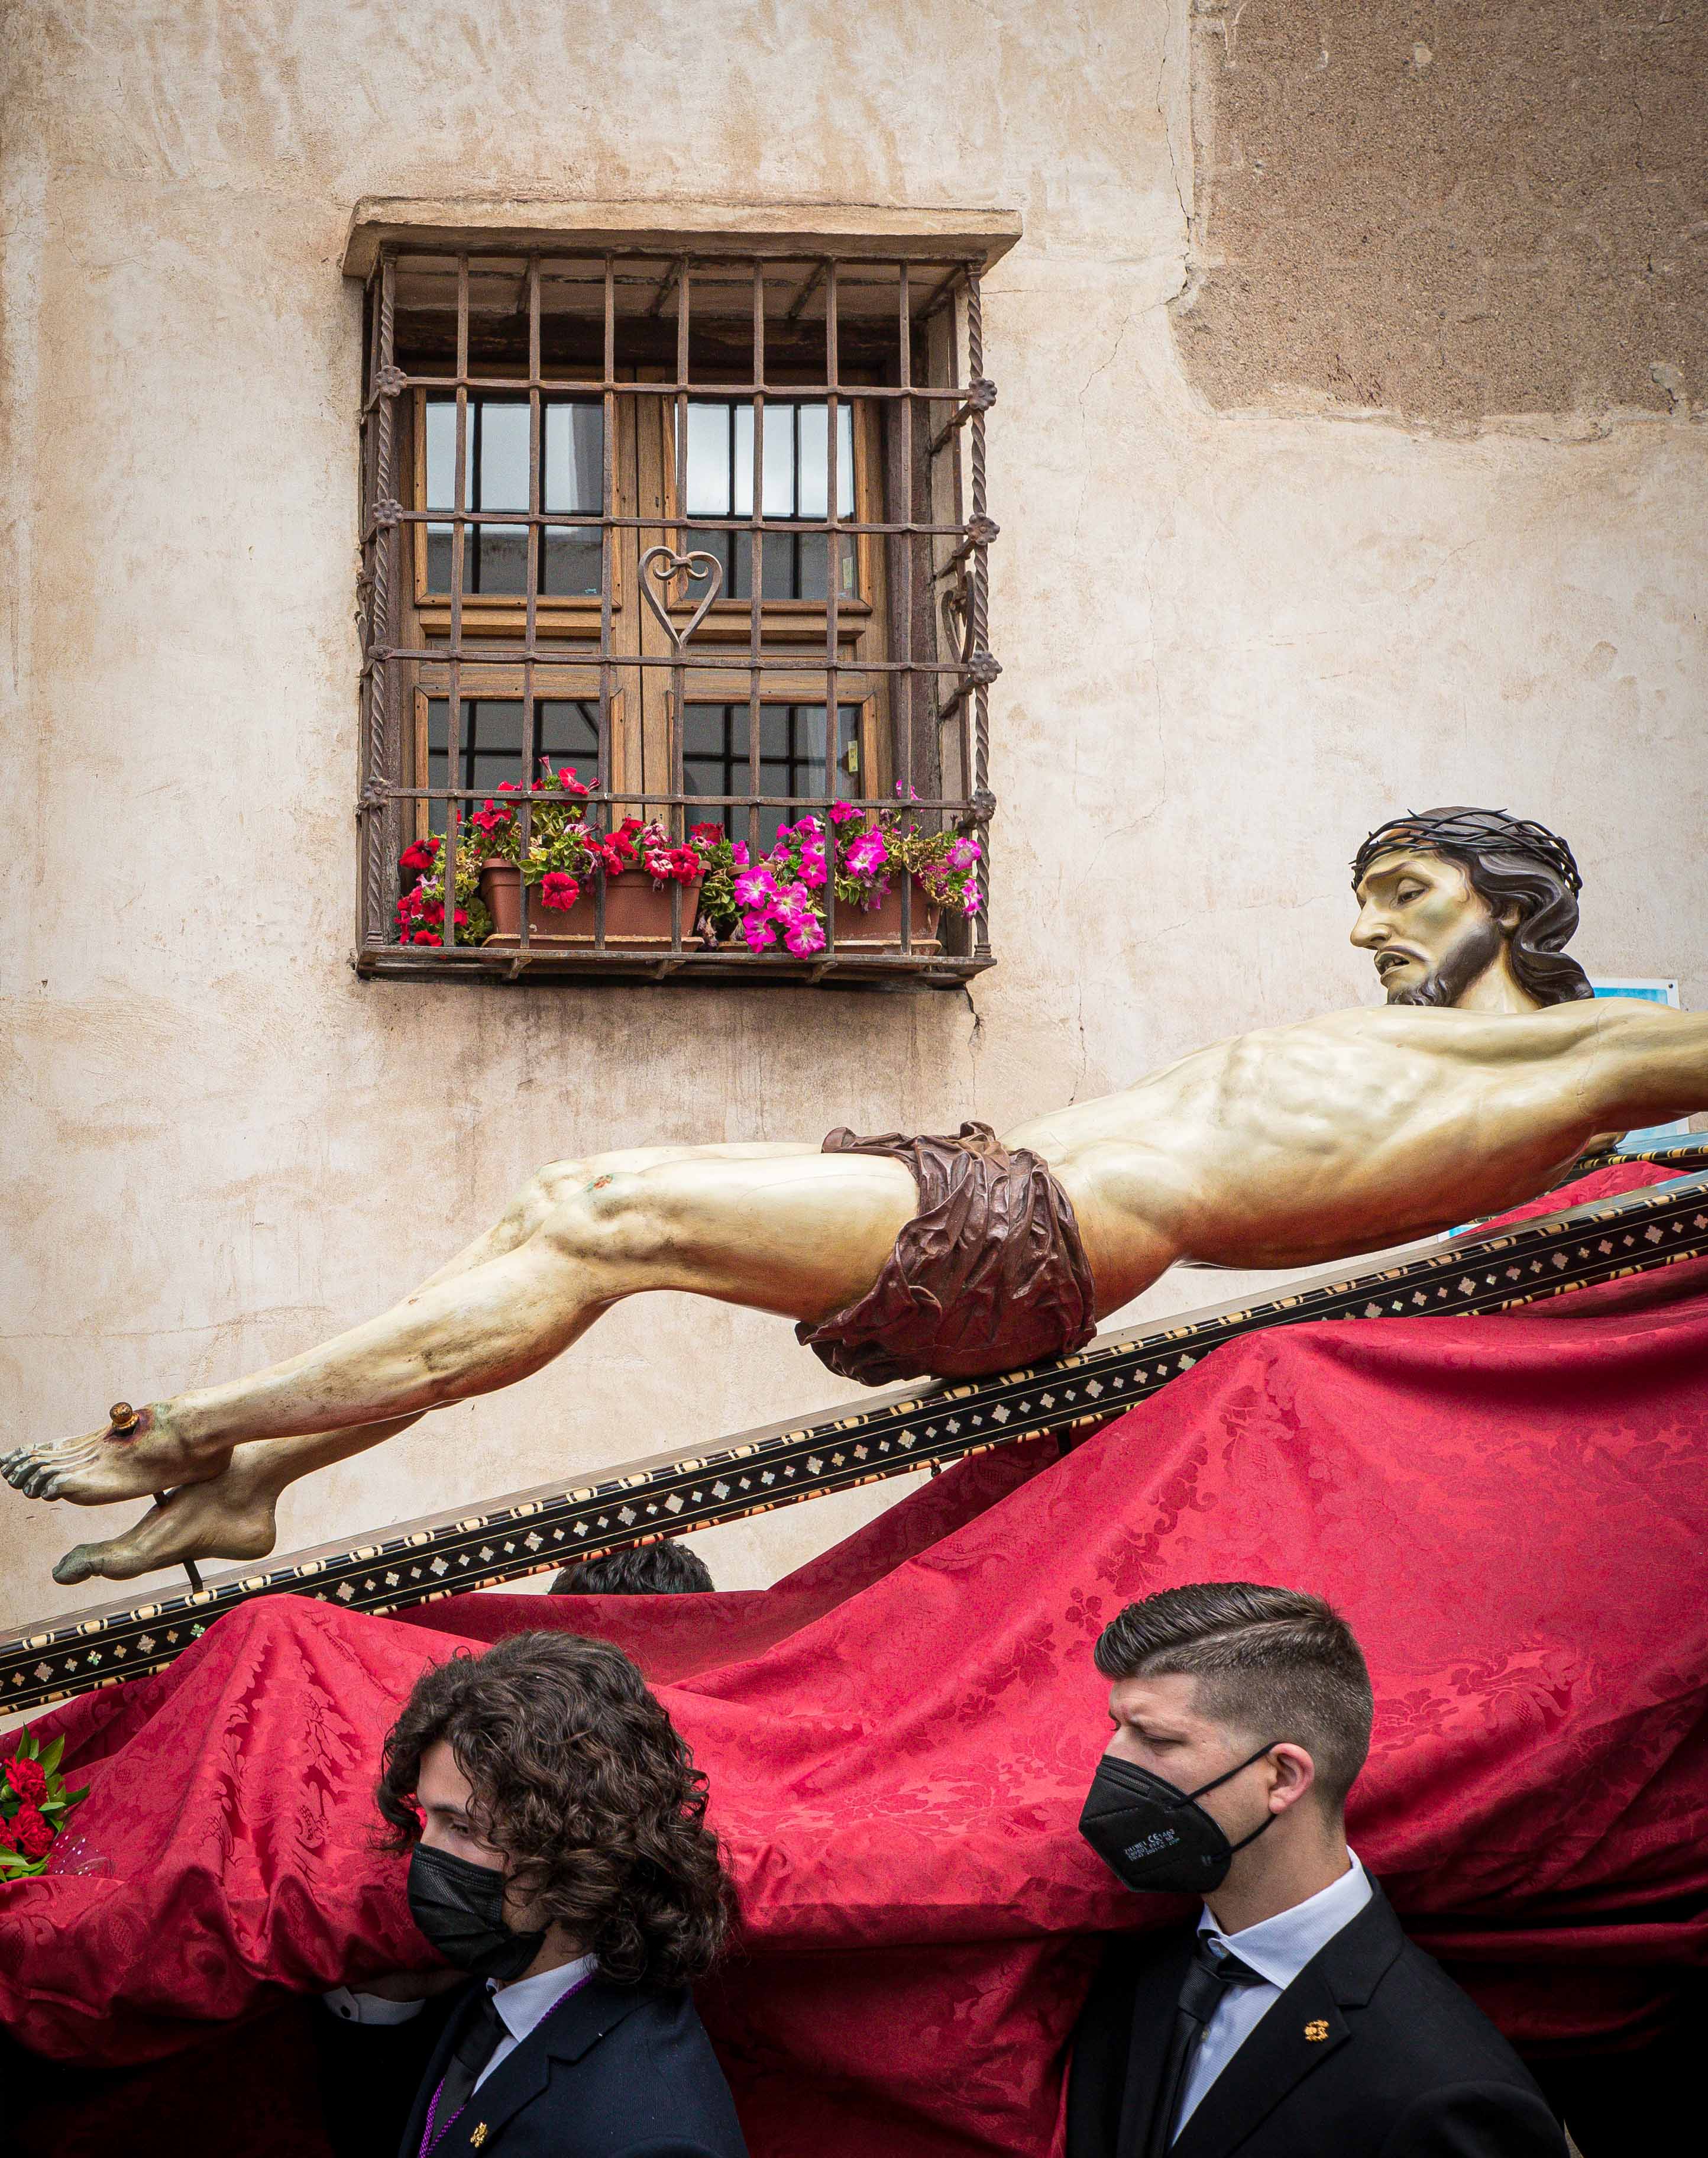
{"x": 1463, "y": 905}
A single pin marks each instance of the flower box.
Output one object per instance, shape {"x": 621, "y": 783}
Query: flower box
{"x": 879, "y": 928}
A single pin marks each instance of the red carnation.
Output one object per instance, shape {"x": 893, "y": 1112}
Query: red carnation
{"x": 26, "y": 1778}
{"x": 32, "y": 1832}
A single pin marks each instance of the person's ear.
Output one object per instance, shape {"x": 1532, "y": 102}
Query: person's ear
{"x": 1294, "y": 1774}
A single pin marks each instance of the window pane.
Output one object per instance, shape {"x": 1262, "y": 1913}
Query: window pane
{"x": 742, "y": 493}
{"x": 815, "y": 461}
{"x": 442, "y": 453}
{"x": 815, "y": 469}
{"x": 503, "y": 472}
{"x": 500, "y": 559}
{"x": 567, "y": 732}
{"x": 708, "y": 460}
{"x": 571, "y": 564}
{"x": 779, "y": 490}
{"x": 575, "y": 459}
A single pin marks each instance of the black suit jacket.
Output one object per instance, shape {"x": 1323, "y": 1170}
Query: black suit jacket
{"x": 612, "y": 2072}
{"x": 1371, "y": 2052}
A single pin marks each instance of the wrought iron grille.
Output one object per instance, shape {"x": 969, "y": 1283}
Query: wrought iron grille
{"x": 679, "y": 510}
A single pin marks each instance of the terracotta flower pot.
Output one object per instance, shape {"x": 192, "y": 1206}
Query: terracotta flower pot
{"x": 634, "y": 912}
{"x": 881, "y": 929}
{"x": 501, "y": 890}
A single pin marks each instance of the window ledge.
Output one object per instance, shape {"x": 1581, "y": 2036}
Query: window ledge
{"x": 482, "y": 963}
{"x": 790, "y": 230}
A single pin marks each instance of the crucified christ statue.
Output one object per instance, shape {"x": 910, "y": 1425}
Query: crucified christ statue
{"x": 1486, "y": 1074}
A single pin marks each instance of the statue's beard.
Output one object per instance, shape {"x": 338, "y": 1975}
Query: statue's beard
{"x": 1474, "y": 956}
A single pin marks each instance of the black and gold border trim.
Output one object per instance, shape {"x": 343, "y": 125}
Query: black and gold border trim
{"x": 886, "y": 1434}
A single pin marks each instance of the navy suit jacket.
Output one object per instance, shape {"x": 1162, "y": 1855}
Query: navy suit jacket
{"x": 612, "y": 2071}
{"x": 1371, "y": 2052}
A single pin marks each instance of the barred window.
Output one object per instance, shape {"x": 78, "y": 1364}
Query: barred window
{"x": 634, "y": 525}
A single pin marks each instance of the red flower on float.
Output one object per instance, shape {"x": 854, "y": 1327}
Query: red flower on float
{"x": 26, "y": 1779}
{"x": 32, "y": 1832}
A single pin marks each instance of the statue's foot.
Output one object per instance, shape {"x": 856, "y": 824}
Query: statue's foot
{"x": 230, "y": 1517}
{"x": 111, "y": 1464}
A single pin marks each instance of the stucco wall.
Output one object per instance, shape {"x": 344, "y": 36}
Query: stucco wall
{"x": 1231, "y": 643}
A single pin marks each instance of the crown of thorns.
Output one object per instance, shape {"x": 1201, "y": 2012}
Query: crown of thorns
{"x": 1474, "y": 832}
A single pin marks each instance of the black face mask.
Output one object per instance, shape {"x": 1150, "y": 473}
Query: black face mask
{"x": 460, "y": 1908}
{"x": 1153, "y": 1834}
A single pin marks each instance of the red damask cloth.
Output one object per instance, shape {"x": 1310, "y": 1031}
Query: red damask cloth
{"x": 1513, "y": 1512}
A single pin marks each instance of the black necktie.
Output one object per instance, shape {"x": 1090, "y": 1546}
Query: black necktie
{"x": 1212, "y": 1973}
{"x": 474, "y": 2048}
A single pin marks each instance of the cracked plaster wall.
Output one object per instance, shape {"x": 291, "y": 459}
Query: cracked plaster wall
{"x": 1231, "y": 643}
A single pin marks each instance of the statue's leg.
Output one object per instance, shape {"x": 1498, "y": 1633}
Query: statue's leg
{"x": 778, "y": 1228}
{"x": 232, "y": 1514}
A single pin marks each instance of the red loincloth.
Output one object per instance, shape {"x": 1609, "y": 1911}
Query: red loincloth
{"x": 988, "y": 1276}
{"x": 1513, "y": 1512}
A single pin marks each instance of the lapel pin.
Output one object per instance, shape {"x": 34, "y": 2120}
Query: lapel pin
{"x": 478, "y": 2134}
{"x": 1316, "y": 2031}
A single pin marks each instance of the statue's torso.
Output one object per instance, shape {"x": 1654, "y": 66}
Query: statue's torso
{"x": 1300, "y": 1142}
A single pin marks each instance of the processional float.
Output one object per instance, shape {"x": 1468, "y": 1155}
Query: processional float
{"x": 894, "y": 1433}
{"x": 1348, "y": 1134}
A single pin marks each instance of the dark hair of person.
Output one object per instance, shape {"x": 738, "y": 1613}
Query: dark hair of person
{"x": 1511, "y": 862}
{"x": 665, "y": 1569}
{"x": 579, "y": 1776}
{"x": 1274, "y": 1663}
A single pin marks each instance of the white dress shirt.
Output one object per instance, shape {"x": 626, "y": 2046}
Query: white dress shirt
{"x": 1278, "y": 1949}
{"x": 522, "y": 2005}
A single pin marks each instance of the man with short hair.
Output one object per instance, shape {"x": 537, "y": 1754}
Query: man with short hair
{"x": 560, "y": 1859}
{"x": 1297, "y": 2020}
{"x": 664, "y": 1568}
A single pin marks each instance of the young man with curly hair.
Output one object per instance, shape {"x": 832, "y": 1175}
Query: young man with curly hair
{"x": 559, "y": 1862}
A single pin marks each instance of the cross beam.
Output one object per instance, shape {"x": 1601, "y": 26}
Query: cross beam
{"x": 884, "y": 1434}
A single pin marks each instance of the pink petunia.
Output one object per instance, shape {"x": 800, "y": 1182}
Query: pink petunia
{"x": 793, "y": 905}
{"x": 756, "y": 887}
{"x": 841, "y": 811}
{"x": 739, "y": 852}
{"x": 867, "y": 854}
{"x": 758, "y": 933}
{"x": 805, "y": 938}
{"x": 969, "y": 903}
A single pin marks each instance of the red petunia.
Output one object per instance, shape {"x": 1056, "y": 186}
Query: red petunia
{"x": 32, "y": 1832}
{"x": 422, "y": 855}
{"x": 26, "y": 1778}
{"x": 570, "y": 782}
{"x": 711, "y": 834}
{"x": 428, "y": 937}
{"x": 559, "y": 889}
